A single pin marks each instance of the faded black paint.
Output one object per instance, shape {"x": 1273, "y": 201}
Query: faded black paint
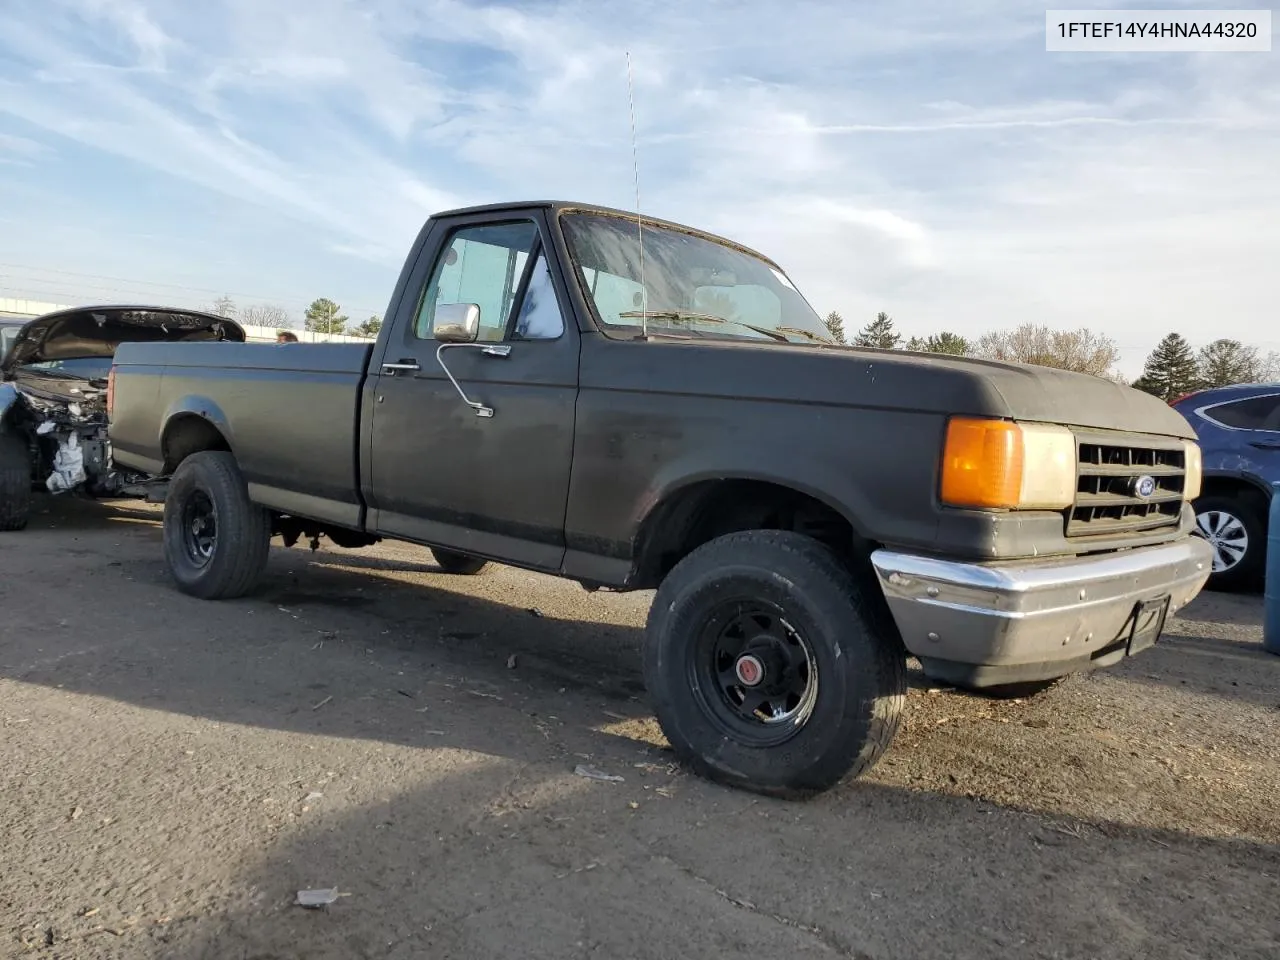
{"x": 591, "y": 433}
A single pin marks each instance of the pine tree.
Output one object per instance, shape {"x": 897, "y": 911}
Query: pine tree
{"x": 1171, "y": 369}
{"x": 947, "y": 342}
{"x": 324, "y": 316}
{"x": 879, "y": 333}
{"x": 835, "y": 324}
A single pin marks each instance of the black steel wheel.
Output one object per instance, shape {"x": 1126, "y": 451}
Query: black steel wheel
{"x": 216, "y": 540}
{"x": 199, "y": 528}
{"x": 772, "y": 668}
{"x": 754, "y": 672}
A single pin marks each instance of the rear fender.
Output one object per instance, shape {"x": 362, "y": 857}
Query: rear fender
{"x": 193, "y": 406}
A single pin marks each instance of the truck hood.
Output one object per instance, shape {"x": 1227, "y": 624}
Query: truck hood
{"x": 96, "y": 332}
{"x": 925, "y": 382}
{"x": 1050, "y": 395}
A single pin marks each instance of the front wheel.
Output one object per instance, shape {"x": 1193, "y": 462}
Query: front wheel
{"x": 15, "y": 482}
{"x": 216, "y": 540}
{"x": 769, "y": 669}
{"x": 457, "y": 563}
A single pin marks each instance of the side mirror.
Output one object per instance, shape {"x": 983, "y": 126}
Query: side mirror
{"x": 456, "y": 322}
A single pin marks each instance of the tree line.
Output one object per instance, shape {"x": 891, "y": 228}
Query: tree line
{"x": 1172, "y": 369}
{"x": 322, "y": 316}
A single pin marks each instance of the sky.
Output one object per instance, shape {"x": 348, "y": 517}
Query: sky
{"x": 929, "y": 159}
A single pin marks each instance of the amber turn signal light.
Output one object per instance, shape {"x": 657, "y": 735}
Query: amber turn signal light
{"x": 982, "y": 463}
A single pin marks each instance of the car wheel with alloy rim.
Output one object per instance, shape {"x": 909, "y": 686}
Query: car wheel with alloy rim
{"x": 1235, "y": 529}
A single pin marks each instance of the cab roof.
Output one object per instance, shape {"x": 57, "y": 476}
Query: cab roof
{"x": 556, "y": 207}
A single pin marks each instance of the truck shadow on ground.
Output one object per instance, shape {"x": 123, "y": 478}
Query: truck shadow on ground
{"x": 506, "y": 852}
{"x": 502, "y": 860}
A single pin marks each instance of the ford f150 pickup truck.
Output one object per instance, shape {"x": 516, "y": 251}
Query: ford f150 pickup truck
{"x": 635, "y": 404}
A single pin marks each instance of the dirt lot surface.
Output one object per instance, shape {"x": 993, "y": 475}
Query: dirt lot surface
{"x": 174, "y": 771}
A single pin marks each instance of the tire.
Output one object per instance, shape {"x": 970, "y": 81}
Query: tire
{"x": 838, "y": 635}
{"x": 458, "y": 563}
{"x": 227, "y": 560}
{"x": 1237, "y": 529}
{"x": 15, "y": 482}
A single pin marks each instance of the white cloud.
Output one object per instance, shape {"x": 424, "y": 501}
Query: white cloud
{"x": 925, "y": 160}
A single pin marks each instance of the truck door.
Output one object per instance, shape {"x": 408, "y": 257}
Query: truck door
{"x": 487, "y": 473}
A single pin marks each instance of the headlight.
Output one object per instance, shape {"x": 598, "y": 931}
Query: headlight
{"x": 1195, "y": 469}
{"x": 1000, "y": 464}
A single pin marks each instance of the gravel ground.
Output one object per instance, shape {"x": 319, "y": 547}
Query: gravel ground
{"x": 174, "y": 771}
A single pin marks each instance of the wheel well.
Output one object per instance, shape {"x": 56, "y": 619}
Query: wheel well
{"x": 186, "y": 435}
{"x": 1236, "y": 488}
{"x": 703, "y": 511}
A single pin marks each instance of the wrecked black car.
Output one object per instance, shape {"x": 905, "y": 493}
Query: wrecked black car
{"x": 54, "y": 375}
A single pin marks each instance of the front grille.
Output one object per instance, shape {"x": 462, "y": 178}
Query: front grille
{"x": 1109, "y": 474}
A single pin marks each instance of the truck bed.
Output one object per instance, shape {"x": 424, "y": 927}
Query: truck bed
{"x": 290, "y": 412}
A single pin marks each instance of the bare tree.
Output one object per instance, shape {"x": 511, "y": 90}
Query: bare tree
{"x": 1082, "y": 350}
{"x": 267, "y": 315}
{"x": 1269, "y": 368}
{"x": 224, "y": 306}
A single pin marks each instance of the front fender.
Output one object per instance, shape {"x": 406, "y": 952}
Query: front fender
{"x": 10, "y": 400}
{"x": 680, "y": 475}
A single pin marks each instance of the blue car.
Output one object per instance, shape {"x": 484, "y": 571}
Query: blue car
{"x": 1239, "y": 432}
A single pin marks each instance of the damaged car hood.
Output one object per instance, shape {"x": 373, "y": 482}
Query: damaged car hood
{"x": 85, "y": 332}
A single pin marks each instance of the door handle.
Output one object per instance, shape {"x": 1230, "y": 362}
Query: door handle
{"x": 404, "y": 363}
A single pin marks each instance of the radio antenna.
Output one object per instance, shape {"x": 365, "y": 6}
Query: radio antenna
{"x": 635, "y": 163}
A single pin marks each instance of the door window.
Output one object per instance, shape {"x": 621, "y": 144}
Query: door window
{"x": 1256, "y": 413}
{"x": 483, "y": 265}
{"x": 540, "y": 317}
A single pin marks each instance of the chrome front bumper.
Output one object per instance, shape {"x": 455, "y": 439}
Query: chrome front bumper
{"x": 988, "y": 623}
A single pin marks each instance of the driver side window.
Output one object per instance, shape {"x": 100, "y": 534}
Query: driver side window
{"x": 482, "y": 265}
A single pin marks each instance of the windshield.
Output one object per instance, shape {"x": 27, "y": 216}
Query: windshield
{"x": 692, "y": 286}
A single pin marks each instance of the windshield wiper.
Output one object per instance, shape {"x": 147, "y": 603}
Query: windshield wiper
{"x": 703, "y": 318}
{"x": 808, "y": 334}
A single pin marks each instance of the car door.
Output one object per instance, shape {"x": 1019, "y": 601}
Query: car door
{"x": 1248, "y": 440}
{"x": 481, "y": 465}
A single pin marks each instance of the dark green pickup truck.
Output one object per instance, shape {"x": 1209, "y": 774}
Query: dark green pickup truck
{"x": 552, "y": 392}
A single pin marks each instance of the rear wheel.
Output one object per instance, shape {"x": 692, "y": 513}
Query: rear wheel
{"x": 1237, "y": 531}
{"x": 216, "y": 540}
{"x": 457, "y": 563}
{"x": 15, "y": 482}
{"x": 768, "y": 667}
